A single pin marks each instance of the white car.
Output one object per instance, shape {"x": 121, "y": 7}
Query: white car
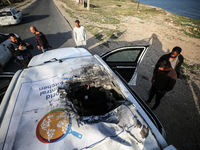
{"x": 70, "y": 99}
{"x": 5, "y": 53}
{"x": 10, "y": 16}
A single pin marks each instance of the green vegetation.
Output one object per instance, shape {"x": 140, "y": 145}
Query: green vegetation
{"x": 102, "y": 33}
{"x": 188, "y": 68}
{"x": 71, "y": 14}
{"x": 110, "y": 11}
{"x": 191, "y": 26}
{"x": 185, "y": 77}
{"x": 191, "y": 67}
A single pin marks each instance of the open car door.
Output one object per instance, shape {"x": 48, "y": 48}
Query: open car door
{"x": 124, "y": 61}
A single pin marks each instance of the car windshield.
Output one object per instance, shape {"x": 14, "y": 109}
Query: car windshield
{"x": 5, "y": 13}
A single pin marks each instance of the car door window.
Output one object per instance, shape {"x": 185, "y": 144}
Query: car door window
{"x": 124, "y": 61}
{"x": 3, "y": 38}
{"x": 124, "y": 56}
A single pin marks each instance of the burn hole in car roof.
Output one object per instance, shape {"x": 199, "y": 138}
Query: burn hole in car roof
{"x": 92, "y": 94}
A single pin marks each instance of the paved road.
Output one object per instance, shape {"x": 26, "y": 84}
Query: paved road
{"x": 46, "y": 17}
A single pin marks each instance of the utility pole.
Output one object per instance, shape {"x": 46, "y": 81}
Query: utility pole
{"x": 138, "y": 6}
{"x": 88, "y": 4}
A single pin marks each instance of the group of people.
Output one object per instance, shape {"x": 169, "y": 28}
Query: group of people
{"x": 21, "y": 50}
{"x": 165, "y": 74}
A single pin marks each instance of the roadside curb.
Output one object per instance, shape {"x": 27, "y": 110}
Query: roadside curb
{"x": 65, "y": 15}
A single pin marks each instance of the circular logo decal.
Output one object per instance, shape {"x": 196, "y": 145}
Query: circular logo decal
{"x": 54, "y": 126}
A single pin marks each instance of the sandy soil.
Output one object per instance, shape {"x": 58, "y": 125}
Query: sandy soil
{"x": 179, "y": 111}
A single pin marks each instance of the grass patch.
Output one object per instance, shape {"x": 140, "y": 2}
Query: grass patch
{"x": 191, "y": 26}
{"x": 71, "y": 14}
{"x": 193, "y": 32}
{"x": 103, "y": 19}
{"x": 101, "y": 33}
{"x": 185, "y": 77}
{"x": 110, "y": 12}
{"x": 191, "y": 67}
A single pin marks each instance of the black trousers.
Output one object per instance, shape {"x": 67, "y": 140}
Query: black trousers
{"x": 158, "y": 97}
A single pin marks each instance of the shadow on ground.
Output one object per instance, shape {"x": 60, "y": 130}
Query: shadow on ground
{"x": 33, "y": 18}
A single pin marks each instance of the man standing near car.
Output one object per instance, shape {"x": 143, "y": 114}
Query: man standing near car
{"x": 42, "y": 43}
{"x": 163, "y": 80}
{"x": 20, "y": 50}
{"x": 175, "y": 58}
{"x": 80, "y": 35}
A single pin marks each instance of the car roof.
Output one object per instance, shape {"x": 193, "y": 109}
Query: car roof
{"x": 34, "y": 96}
{"x": 60, "y": 53}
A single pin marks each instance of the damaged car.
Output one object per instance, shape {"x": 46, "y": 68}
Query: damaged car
{"x": 68, "y": 98}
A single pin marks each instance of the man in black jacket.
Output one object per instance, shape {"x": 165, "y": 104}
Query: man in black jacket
{"x": 20, "y": 50}
{"x": 163, "y": 80}
{"x": 175, "y": 58}
{"x": 42, "y": 43}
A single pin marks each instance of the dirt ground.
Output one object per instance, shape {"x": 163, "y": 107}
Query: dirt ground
{"x": 179, "y": 111}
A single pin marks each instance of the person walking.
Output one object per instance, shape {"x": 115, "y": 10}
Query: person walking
{"x": 20, "y": 50}
{"x": 175, "y": 58}
{"x": 79, "y": 35}
{"x": 163, "y": 80}
{"x": 42, "y": 43}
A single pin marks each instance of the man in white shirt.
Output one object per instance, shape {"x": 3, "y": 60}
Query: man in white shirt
{"x": 80, "y": 35}
{"x": 175, "y": 58}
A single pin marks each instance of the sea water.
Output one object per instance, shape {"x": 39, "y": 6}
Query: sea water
{"x": 187, "y": 8}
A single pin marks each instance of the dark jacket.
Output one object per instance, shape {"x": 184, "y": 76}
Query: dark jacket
{"x": 41, "y": 40}
{"x": 20, "y": 54}
{"x": 164, "y": 80}
{"x": 177, "y": 66}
